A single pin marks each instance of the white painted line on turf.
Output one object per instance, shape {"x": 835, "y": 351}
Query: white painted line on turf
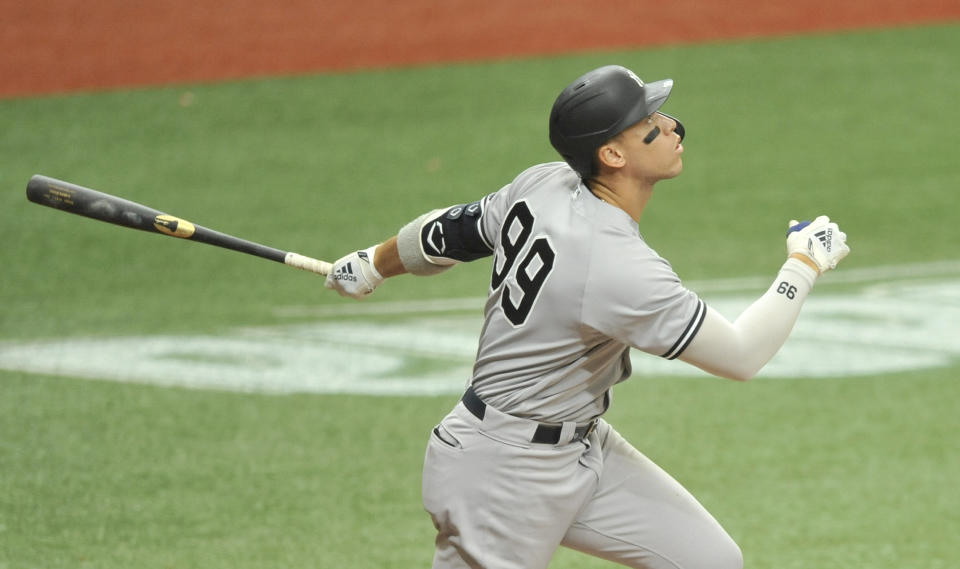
{"x": 905, "y": 318}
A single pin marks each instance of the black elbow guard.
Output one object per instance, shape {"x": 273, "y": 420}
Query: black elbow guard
{"x": 455, "y": 234}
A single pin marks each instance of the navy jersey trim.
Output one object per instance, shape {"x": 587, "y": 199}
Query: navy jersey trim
{"x": 689, "y": 332}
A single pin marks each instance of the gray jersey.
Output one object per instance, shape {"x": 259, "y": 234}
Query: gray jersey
{"x": 574, "y": 286}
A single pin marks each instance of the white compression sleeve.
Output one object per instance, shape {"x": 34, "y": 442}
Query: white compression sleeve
{"x": 739, "y": 349}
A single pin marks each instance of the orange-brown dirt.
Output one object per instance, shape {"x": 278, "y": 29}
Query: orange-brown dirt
{"x": 51, "y": 46}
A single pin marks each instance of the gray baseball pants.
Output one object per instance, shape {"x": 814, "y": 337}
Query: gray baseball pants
{"x": 499, "y": 501}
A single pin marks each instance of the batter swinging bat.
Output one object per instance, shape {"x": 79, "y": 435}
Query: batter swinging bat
{"x": 105, "y": 207}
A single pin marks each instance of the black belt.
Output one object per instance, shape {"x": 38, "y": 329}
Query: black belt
{"x": 545, "y": 434}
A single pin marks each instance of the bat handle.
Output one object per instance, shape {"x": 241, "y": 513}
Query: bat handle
{"x": 307, "y": 263}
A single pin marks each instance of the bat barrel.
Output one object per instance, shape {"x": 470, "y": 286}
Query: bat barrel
{"x": 83, "y": 201}
{"x": 90, "y": 203}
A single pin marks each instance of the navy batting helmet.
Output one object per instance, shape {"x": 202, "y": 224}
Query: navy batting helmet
{"x": 598, "y": 106}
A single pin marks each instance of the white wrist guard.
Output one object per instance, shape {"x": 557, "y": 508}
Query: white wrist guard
{"x": 411, "y": 251}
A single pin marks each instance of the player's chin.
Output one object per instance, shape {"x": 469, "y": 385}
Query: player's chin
{"x": 675, "y": 169}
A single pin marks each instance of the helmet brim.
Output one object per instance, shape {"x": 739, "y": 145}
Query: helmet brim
{"x": 655, "y": 95}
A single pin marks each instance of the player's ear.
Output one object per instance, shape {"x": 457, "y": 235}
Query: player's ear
{"x": 610, "y": 155}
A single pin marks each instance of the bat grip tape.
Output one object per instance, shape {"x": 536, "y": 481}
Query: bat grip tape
{"x": 307, "y": 263}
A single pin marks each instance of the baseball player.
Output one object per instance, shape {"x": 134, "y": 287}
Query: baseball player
{"x": 525, "y": 461}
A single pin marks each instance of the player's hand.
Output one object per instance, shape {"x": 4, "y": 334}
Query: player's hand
{"x": 354, "y": 275}
{"x": 819, "y": 241}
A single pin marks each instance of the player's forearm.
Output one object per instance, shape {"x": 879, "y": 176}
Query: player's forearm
{"x": 453, "y": 236}
{"x": 387, "y": 259}
{"x": 739, "y": 349}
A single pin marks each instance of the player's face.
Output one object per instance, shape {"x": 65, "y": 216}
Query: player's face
{"x": 652, "y": 148}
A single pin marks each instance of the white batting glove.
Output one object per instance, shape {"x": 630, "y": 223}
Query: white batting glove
{"x": 354, "y": 275}
{"x": 820, "y": 241}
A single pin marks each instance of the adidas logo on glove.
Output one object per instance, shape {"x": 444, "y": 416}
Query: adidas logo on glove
{"x": 345, "y": 273}
{"x": 826, "y": 239}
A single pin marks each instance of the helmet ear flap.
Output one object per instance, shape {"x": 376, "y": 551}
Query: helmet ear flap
{"x": 679, "y": 128}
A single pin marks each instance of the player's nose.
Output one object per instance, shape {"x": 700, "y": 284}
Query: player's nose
{"x": 676, "y": 126}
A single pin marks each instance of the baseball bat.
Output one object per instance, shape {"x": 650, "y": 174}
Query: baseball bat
{"x": 79, "y": 200}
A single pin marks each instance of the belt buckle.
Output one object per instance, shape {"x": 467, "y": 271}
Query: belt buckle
{"x": 590, "y": 428}
{"x": 586, "y": 432}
